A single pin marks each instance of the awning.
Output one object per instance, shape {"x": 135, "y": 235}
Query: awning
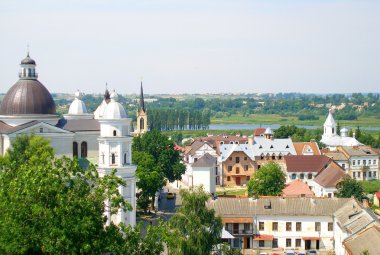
{"x": 226, "y": 234}
{"x": 238, "y": 220}
{"x": 263, "y": 238}
{"x": 311, "y": 238}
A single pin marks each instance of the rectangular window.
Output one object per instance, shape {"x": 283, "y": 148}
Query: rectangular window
{"x": 258, "y": 166}
{"x": 353, "y": 162}
{"x": 364, "y": 174}
{"x": 364, "y": 162}
{"x": 237, "y": 160}
{"x": 344, "y": 166}
{"x": 230, "y": 158}
{"x": 330, "y": 226}
{"x": 369, "y": 161}
{"x": 248, "y": 178}
{"x": 298, "y": 226}
{"x": 237, "y": 170}
{"x": 358, "y": 162}
{"x": 261, "y": 243}
{"x": 247, "y": 226}
{"x": 274, "y": 226}
{"x": 317, "y": 226}
{"x": 288, "y": 226}
{"x": 229, "y": 168}
{"x": 354, "y": 174}
{"x": 374, "y": 174}
{"x": 374, "y": 161}
{"x": 275, "y": 243}
{"x": 261, "y": 226}
{"x": 288, "y": 242}
{"x": 228, "y": 178}
{"x": 358, "y": 174}
{"x": 246, "y": 168}
{"x": 298, "y": 242}
{"x": 245, "y": 158}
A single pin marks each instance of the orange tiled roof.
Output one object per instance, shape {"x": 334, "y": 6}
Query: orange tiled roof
{"x": 301, "y": 146}
{"x": 297, "y": 188}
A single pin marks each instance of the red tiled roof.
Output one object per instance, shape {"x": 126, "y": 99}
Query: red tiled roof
{"x": 304, "y": 163}
{"x": 297, "y": 188}
{"x": 330, "y": 176}
{"x": 377, "y": 194}
{"x": 259, "y": 131}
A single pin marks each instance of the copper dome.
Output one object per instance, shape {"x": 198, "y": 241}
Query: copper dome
{"x": 27, "y": 97}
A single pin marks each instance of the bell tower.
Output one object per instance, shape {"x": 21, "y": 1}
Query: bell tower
{"x": 142, "y": 117}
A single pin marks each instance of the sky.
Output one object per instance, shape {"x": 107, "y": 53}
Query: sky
{"x": 194, "y": 46}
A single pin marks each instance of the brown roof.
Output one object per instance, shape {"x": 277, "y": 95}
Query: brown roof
{"x": 367, "y": 239}
{"x": 215, "y": 140}
{"x": 244, "y": 207}
{"x": 336, "y": 155}
{"x": 358, "y": 151}
{"x": 302, "y": 146}
{"x": 205, "y": 161}
{"x": 27, "y": 96}
{"x": 297, "y": 188}
{"x": 76, "y": 125}
{"x": 195, "y": 146}
{"x": 304, "y": 163}
{"x": 259, "y": 131}
{"x": 330, "y": 176}
{"x": 4, "y": 128}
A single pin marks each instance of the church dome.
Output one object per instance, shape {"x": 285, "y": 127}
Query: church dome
{"x": 114, "y": 110}
{"x": 27, "y": 96}
{"x": 28, "y": 61}
{"x": 77, "y": 106}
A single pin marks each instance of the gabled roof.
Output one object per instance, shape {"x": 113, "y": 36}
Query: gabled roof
{"x": 303, "y": 147}
{"x": 4, "y": 127}
{"x": 75, "y": 125}
{"x": 205, "y": 161}
{"x": 259, "y": 131}
{"x": 304, "y": 163}
{"x": 227, "y": 149}
{"x": 359, "y": 151}
{"x": 195, "y": 146}
{"x": 297, "y": 188}
{"x": 330, "y": 176}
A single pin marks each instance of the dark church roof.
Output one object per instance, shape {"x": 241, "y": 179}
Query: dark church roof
{"x": 27, "y": 96}
{"x": 77, "y": 125}
{"x": 28, "y": 61}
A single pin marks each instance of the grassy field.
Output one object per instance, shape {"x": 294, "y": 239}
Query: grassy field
{"x": 291, "y": 120}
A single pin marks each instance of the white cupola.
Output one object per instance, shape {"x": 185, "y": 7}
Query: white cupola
{"x": 77, "y": 106}
{"x": 329, "y": 126}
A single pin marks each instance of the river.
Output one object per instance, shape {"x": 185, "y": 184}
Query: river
{"x": 275, "y": 126}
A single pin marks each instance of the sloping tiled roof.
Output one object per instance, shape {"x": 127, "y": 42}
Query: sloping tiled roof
{"x": 4, "y": 128}
{"x": 367, "y": 239}
{"x": 227, "y": 149}
{"x": 304, "y": 163}
{"x": 246, "y": 207}
{"x": 300, "y": 147}
{"x": 205, "y": 161}
{"x": 266, "y": 146}
{"x": 21, "y": 127}
{"x": 259, "y": 131}
{"x": 336, "y": 155}
{"x": 297, "y": 188}
{"x": 76, "y": 125}
{"x": 359, "y": 151}
{"x": 195, "y": 146}
{"x": 330, "y": 176}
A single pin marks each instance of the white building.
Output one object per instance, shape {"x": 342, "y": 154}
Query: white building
{"x": 330, "y": 137}
{"x": 103, "y": 137}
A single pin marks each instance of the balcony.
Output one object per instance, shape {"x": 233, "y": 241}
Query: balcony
{"x": 240, "y": 231}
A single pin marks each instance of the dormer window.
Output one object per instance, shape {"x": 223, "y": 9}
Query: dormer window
{"x": 287, "y": 147}
{"x": 271, "y": 146}
{"x": 114, "y": 133}
{"x": 41, "y": 130}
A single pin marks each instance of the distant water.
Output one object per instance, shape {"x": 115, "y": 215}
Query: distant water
{"x": 253, "y": 126}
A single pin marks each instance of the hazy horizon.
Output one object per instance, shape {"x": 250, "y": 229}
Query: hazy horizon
{"x": 177, "y": 47}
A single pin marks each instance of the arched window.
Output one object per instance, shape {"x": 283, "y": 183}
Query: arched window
{"x": 75, "y": 149}
{"x": 309, "y": 176}
{"x": 142, "y": 123}
{"x": 302, "y": 176}
{"x": 333, "y": 130}
{"x": 273, "y": 156}
{"x": 113, "y": 159}
{"x": 114, "y": 133}
{"x": 83, "y": 150}
{"x": 294, "y": 176}
{"x": 125, "y": 158}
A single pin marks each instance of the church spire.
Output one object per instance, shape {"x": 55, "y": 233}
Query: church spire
{"x": 141, "y": 105}
{"x": 107, "y": 96}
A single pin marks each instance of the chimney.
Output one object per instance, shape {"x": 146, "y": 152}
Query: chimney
{"x": 250, "y": 140}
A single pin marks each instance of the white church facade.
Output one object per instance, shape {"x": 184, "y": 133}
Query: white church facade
{"x": 103, "y": 138}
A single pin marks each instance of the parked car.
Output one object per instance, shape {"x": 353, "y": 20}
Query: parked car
{"x": 263, "y": 253}
{"x": 301, "y": 253}
{"x": 170, "y": 195}
{"x": 311, "y": 252}
{"x": 290, "y": 252}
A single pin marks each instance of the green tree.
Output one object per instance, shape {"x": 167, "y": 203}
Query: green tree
{"x": 164, "y": 163}
{"x": 269, "y": 180}
{"x": 53, "y": 206}
{"x": 196, "y": 228}
{"x": 349, "y": 187}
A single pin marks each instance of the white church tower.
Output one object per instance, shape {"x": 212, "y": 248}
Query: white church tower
{"x": 115, "y": 146}
{"x": 329, "y": 128}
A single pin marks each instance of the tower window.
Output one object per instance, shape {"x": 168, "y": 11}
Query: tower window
{"x": 75, "y": 149}
{"x": 142, "y": 124}
{"x": 83, "y": 150}
{"x": 125, "y": 158}
{"x": 113, "y": 159}
{"x": 114, "y": 133}
{"x": 102, "y": 157}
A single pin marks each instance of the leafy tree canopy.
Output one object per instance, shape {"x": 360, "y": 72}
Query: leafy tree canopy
{"x": 196, "y": 228}
{"x": 349, "y": 187}
{"x": 269, "y": 180}
{"x": 52, "y": 206}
